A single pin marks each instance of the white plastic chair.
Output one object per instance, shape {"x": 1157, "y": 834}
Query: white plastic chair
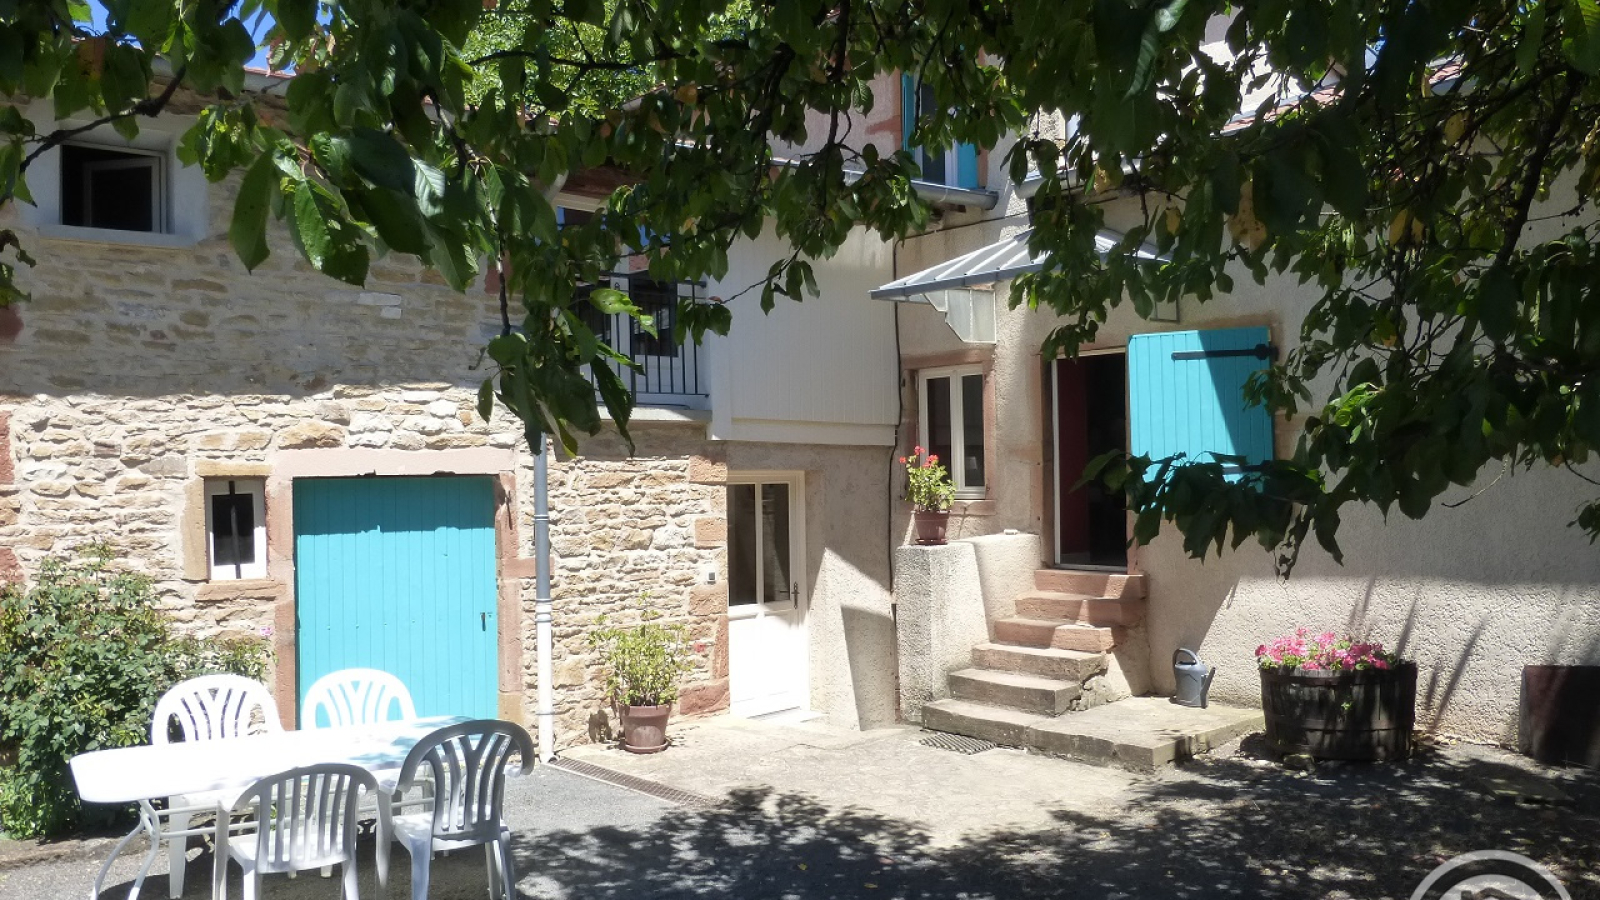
{"x": 356, "y": 697}
{"x": 467, "y": 766}
{"x": 208, "y": 708}
{"x": 305, "y": 819}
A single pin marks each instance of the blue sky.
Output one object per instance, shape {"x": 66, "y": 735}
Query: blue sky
{"x": 97, "y": 11}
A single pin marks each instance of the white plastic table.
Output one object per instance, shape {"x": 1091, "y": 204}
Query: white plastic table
{"x": 142, "y": 774}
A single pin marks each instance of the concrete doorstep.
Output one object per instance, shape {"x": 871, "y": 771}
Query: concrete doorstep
{"x": 1137, "y": 733}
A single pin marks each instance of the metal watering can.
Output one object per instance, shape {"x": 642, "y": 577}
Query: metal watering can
{"x": 1193, "y": 677}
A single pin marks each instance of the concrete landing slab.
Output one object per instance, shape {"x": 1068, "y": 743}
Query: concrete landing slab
{"x": 1141, "y": 733}
{"x": 950, "y": 797}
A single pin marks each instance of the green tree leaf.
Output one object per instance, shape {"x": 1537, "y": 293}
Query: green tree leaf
{"x": 248, "y": 229}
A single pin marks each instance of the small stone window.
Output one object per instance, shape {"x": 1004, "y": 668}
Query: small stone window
{"x": 236, "y": 528}
{"x": 123, "y": 190}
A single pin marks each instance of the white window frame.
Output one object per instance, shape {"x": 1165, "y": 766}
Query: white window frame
{"x": 185, "y": 217}
{"x": 958, "y": 444}
{"x": 137, "y": 159}
{"x": 257, "y": 488}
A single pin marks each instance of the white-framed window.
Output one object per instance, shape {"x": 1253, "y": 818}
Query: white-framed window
{"x": 236, "y": 528}
{"x": 102, "y": 188}
{"x": 122, "y": 189}
{"x": 951, "y": 425}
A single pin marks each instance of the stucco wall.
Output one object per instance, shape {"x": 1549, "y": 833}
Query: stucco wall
{"x": 850, "y": 625}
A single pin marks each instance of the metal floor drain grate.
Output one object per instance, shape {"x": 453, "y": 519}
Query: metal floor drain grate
{"x": 634, "y": 783}
{"x": 960, "y": 743}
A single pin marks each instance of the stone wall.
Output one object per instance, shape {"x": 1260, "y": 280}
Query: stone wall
{"x": 136, "y": 372}
{"x": 631, "y": 535}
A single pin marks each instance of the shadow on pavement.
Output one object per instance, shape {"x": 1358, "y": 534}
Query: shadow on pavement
{"x": 1222, "y": 827}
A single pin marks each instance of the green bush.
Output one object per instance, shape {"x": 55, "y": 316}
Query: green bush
{"x": 643, "y": 662}
{"x": 84, "y": 656}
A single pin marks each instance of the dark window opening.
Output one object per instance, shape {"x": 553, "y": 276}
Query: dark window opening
{"x": 103, "y": 188}
{"x": 660, "y": 302}
{"x": 233, "y": 522}
{"x": 933, "y": 165}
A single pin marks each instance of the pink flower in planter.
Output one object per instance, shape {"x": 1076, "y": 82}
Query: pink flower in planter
{"x": 1326, "y": 651}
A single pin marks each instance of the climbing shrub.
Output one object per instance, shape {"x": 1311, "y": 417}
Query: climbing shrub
{"x": 84, "y": 655}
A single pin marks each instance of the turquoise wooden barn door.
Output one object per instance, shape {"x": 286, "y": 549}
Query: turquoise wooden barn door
{"x": 399, "y": 574}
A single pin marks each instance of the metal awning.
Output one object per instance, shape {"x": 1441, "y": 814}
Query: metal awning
{"x": 1000, "y": 261}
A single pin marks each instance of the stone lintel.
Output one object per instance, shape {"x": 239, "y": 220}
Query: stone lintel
{"x": 223, "y": 468}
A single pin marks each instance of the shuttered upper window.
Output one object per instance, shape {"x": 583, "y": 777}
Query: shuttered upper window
{"x": 957, "y": 166}
{"x": 1186, "y": 396}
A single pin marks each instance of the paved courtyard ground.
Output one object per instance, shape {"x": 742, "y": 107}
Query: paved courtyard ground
{"x": 809, "y": 812}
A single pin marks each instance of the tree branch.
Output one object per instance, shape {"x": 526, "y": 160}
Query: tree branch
{"x": 150, "y": 106}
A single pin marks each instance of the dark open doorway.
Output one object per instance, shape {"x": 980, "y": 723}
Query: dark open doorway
{"x": 1091, "y": 419}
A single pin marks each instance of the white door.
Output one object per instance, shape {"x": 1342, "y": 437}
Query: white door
{"x": 766, "y": 597}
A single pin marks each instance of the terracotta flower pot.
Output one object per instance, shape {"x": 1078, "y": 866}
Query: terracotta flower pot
{"x": 644, "y": 728}
{"x": 931, "y": 525}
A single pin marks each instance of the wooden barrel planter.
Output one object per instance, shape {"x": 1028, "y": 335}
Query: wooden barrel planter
{"x": 1359, "y": 715}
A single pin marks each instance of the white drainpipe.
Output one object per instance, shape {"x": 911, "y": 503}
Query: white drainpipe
{"x": 543, "y": 608}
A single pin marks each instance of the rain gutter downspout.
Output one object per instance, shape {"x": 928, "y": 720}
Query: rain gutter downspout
{"x": 543, "y": 607}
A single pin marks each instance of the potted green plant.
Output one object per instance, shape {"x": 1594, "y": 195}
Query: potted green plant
{"x": 930, "y": 491}
{"x": 643, "y": 664}
{"x": 1334, "y": 697}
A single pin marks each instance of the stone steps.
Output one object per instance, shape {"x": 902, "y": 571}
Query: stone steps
{"x": 1013, "y": 690}
{"x": 1079, "y": 608}
{"x": 1043, "y": 682}
{"x": 1045, "y": 662}
{"x": 1026, "y": 632}
{"x": 1138, "y": 733}
{"x": 990, "y": 723}
{"x": 1110, "y": 585}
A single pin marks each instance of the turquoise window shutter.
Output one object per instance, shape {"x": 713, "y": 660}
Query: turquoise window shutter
{"x": 966, "y": 166}
{"x": 1185, "y": 395}
{"x": 908, "y": 109}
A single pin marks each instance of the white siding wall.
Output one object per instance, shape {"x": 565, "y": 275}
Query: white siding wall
{"x": 821, "y": 371}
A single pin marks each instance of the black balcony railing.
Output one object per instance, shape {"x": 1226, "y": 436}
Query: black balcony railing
{"x": 664, "y": 372}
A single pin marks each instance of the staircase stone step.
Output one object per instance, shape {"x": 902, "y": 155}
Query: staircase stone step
{"x": 1141, "y": 733}
{"x": 1079, "y": 608}
{"x": 1029, "y": 693}
{"x": 990, "y": 723}
{"x": 1046, "y": 662}
{"x": 1086, "y": 638}
{"x": 1110, "y": 585}
{"x": 1026, "y": 632}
